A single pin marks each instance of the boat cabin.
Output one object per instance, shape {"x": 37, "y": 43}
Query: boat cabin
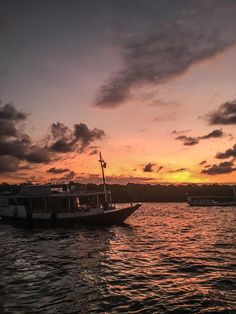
{"x": 48, "y": 198}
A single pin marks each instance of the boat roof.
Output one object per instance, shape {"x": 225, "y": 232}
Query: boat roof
{"x": 47, "y": 191}
{"x": 211, "y": 196}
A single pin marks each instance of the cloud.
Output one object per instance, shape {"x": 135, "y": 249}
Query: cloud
{"x": 58, "y": 170}
{"x": 10, "y": 113}
{"x": 168, "y": 48}
{"x": 93, "y": 152}
{"x": 8, "y": 164}
{"x": 64, "y": 140}
{"x": 178, "y": 170}
{"x": 67, "y": 177}
{"x": 180, "y": 132}
{"x": 159, "y": 169}
{"x": 189, "y": 140}
{"x": 9, "y": 120}
{"x": 221, "y": 168}
{"x": 17, "y": 146}
{"x": 214, "y": 134}
{"x": 202, "y": 162}
{"x": 149, "y": 167}
{"x": 231, "y": 152}
{"x": 225, "y": 114}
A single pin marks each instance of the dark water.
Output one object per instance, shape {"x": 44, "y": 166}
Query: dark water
{"x": 169, "y": 258}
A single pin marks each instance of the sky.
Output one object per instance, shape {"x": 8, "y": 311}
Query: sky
{"x": 149, "y": 83}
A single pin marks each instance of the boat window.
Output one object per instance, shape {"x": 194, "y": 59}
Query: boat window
{"x": 13, "y": 201}
{"x": 37, "y": 204}
{"x": 59, "y": 203}
{"x": 3, "y": 201}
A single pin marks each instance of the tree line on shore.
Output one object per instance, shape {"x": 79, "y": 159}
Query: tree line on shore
{"x": 146, "y": 192}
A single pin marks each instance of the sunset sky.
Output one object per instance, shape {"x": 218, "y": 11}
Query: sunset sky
{"x": 149, "y": 83}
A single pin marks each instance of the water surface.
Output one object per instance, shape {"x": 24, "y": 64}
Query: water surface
{"x": 168, "y": 258}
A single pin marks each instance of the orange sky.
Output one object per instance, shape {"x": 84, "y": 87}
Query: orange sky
{"x": 58, "y": 76}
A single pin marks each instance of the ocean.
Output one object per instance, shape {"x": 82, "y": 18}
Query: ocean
{"x": 167, "y": 258}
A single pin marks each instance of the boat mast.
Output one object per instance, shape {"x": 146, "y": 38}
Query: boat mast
{"x": 103, "y": 165}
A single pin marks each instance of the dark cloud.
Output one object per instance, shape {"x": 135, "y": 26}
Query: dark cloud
{"x": 86, "y": 136}
{"x": 9, "y": 112}
{"x": 38, "y": 155}
{"x": 17, "y": 146}
{"x": 189, "y": 140}
{"x": 180, "y": 132}
{"x": 202, "y": 162}
{"x": 8, "y": 164}
{"x": 149, "y": 167}
{"x": 58, "y": 170}
{"x": 178, "y": 170}
{"x": 214, "y": 134}
{"x": 7, "y": 128}
{"x": 231, "y": 152}
{"x": 67, "y": 177}
{"x": 159, "y": 169}
{"x": 221, "y": 168}
{"x": 10, "y": 119}
{"x": 225, "y": 114}
{"x": 169, "y": 47}
{"x": 93, "y": 152}
{"x": 64, "y": 140}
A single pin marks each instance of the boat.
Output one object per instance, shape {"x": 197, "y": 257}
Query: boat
{"x": 57, "y": 203}
{"x": 212, "y": 200}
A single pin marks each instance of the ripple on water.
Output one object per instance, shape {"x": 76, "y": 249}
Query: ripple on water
{"x": 168, "y": 259}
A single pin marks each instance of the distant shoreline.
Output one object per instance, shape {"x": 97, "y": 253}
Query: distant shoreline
{"x": 146, "y": 192}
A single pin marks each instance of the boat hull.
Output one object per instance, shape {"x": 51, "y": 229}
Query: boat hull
{"x": 109, "y": 217}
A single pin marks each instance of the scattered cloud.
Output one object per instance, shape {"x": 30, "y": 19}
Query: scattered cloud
{"x": 221, "y": 168}
{"x": 214, "y": 134}
{"x": 202, "y": 162}
{"x": 178, "y": 170}
{"x": 189, "y": 140}
{"x": 149, "y": 167}
{"x": 58, "y": 170}
{"x": 225, "y": 114}
{"x": 202, "y": 30}
{"x": 180, "y": 132}
{"x": 231, "y": 152}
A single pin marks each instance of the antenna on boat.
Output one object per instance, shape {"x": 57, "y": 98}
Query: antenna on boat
{"x": 103, "y": 165}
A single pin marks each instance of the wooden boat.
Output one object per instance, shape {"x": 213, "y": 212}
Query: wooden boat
{"x": 53, "y": 203}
